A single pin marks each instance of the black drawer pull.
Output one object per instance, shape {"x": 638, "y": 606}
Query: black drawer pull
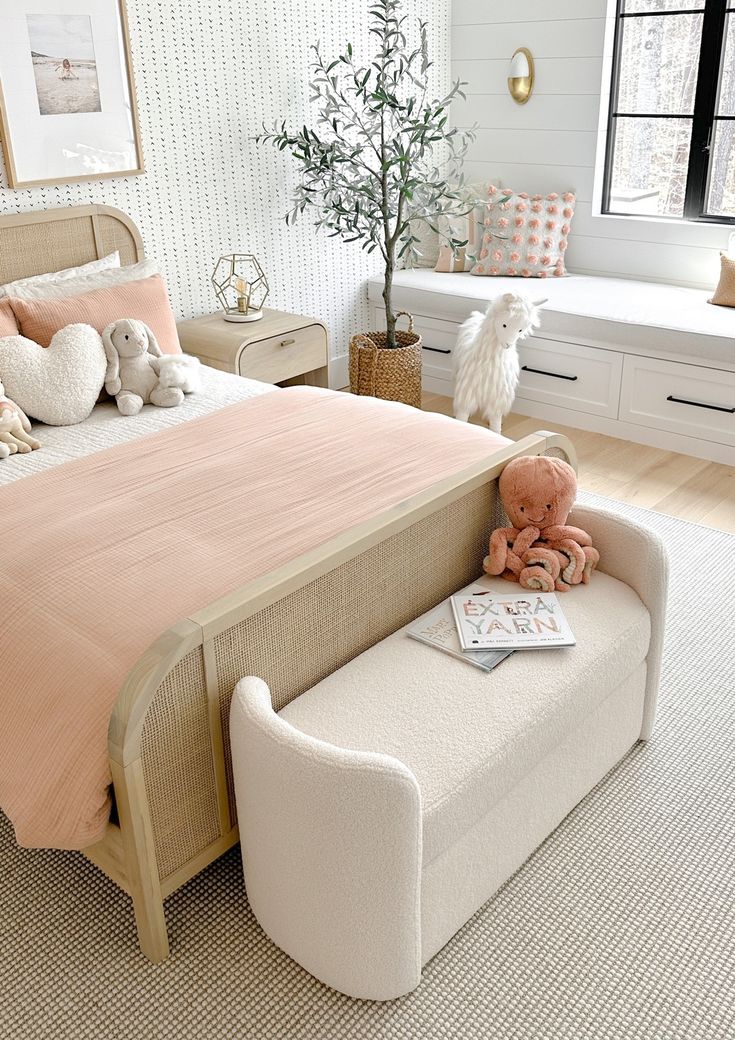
{"x": 435, "y": 350}
{"x": 542, "y": 372}
{"x": 701, "y": 404}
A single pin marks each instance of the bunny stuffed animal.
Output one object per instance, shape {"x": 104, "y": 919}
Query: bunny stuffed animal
{"x": 15, "y": 428}
{"x": 131, "y": 376}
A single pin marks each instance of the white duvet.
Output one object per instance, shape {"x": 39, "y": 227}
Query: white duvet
{"x": 105, "y": 427}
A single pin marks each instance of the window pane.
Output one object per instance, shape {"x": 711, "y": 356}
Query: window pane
{"x": 642, "y": 6}
{"x": 726, "y": 102}
{"x": 658, "y": 64}
{"x": 650, "y": 166}
{"x": 721, "y": 200}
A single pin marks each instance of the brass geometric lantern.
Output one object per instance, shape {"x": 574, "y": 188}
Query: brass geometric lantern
{"x": 241, "y": 286}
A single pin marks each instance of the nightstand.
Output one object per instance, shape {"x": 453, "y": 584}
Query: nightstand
{"x": 279, "y": 348}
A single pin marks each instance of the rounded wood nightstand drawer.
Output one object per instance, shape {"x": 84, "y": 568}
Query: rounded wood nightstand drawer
{"x": 278, "y": 348}
{"x": 284, "y": 357}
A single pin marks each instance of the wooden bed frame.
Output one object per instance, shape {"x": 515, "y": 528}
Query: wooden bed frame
{"x": 173, "y": 803}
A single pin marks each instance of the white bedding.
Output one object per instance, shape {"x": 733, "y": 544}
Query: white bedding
{"x": 105, "y": 427}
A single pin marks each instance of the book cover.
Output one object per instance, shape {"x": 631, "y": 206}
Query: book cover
{"x": 522, "y": 620}
{"x": 437, "y": 628}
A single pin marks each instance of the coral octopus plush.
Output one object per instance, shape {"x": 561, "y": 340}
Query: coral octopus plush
{"x": 541, "y": 551}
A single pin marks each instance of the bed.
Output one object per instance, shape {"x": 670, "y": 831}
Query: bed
{"x": 171, "y": 807}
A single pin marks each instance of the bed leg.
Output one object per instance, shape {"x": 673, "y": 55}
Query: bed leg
{"x": 150, "y": 923}
{"x": 140, "y": 859}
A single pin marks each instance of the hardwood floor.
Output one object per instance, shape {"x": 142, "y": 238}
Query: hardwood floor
{"x": 680, "y": 485}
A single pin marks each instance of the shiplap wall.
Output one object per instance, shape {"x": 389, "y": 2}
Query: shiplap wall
{"x": 551, "y": 143}
{"x": 207, "y": 76}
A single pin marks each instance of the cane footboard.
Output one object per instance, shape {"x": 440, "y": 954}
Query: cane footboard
{"x": 169, "y": 735}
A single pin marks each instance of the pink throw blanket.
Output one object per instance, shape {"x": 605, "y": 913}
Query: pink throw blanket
{"x": 104, "y": 553}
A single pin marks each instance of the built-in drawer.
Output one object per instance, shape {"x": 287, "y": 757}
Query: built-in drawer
{"x": 686, "y": 399}
{"x": 283, "y": 357}
{"x": 437, "y": 341}
{"x": 570, "y": 376}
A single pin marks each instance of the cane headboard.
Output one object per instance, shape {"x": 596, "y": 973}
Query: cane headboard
{"x": 51, "y": 239}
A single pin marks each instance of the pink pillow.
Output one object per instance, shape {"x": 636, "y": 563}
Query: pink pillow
{"x": 8, "y": 324}
{"x": 145, "y": 300}
{"x": 525, "y": 235}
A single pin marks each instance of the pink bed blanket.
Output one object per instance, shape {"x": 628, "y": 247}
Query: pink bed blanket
{"x": 103, "y": 554}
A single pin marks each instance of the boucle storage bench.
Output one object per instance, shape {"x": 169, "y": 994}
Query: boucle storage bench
{"x": 380, "y": 809}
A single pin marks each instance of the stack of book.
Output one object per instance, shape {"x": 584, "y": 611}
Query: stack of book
{"x": 482, "y": 626}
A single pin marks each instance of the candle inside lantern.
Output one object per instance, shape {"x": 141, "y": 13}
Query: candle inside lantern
{"x": 243, "y": 295}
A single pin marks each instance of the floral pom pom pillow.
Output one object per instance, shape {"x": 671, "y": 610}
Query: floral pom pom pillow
{"x": 524, "y": 235}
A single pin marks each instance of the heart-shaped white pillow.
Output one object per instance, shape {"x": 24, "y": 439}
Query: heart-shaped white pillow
{"x": 58, "y": 384}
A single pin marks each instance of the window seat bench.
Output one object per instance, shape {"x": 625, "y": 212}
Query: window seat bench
{"x": 643, "y": 361}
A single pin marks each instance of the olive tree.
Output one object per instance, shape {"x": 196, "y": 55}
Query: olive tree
{"x": 382, "y": 156}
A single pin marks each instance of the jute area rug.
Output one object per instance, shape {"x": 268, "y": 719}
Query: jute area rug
{"x": 621, "y": 927}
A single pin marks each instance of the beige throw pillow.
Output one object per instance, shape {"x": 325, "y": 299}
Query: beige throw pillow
{"x": 468, "y": 227}
{"x": 449, "y": 262}
{"x": 724, "y": 295}
{"x": 427, "y": 246}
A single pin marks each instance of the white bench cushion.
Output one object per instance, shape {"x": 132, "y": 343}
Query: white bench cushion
{"x": 618, "y": 312}
{"x": 468, "y": 736}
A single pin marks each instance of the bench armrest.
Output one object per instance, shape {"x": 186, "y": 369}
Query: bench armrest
{"x": 637, "y": 556}
{"x": 331, "y": 847}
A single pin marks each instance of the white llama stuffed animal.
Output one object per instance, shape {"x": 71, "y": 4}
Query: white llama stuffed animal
{"x": 486, "y": 359}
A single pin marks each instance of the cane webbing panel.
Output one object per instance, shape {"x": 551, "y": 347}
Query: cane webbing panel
{"x": 113, "y": 234}
{"x": 178, "y": 767}
{"x": 50, "y": 245}
{"x": 378, "y": 591}
{"x": 339, "y": 615}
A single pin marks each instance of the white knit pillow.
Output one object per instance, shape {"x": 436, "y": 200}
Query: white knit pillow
{"x": 105, "y": 264}
{"x": 87, "y": 282}
{"x": 524, "y": 234}
{"x": 58, "y": 384}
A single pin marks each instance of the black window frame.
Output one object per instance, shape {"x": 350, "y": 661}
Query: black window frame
{"x": 714, "y": 21}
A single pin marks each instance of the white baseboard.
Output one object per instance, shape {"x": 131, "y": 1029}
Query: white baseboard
{"x": 339, "y": 376}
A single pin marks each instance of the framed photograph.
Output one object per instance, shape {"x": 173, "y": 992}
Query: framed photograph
{"x": 67, "y": 100}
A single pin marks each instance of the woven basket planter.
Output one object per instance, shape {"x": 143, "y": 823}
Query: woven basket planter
{"x": 392, "y": 374}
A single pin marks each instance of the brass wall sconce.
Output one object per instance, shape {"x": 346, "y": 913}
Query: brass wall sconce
{"x": 521, "y": 76}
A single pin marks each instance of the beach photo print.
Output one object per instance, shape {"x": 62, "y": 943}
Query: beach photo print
{"x": 67, "y": 93}
{"x": 64, "y": 64}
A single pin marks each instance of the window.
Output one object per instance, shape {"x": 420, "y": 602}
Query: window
{"x": 671, "y": 129}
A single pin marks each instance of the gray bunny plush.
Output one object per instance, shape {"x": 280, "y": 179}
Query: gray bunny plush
{"x": 131, "y": 376}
